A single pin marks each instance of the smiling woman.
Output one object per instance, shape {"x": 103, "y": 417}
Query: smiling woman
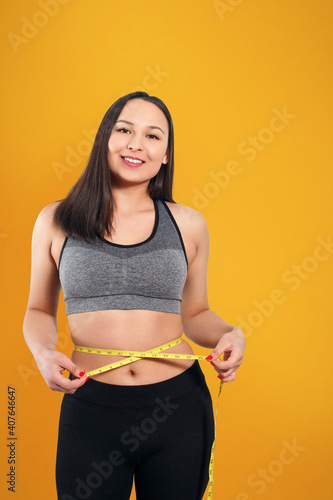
{"x": 152, "y": 148}
{"x": 133, "y": 267}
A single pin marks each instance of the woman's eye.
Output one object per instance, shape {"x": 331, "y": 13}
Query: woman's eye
{"x": 126, "y": 130}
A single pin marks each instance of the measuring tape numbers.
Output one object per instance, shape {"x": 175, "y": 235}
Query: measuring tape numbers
{"x": 157, "y": 352}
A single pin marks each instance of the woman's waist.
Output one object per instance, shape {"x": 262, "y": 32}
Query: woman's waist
{"x": 115, "y": 349}
{"x": 128, "y": 331}
{"x": 130, "y": 368}
{"x": 119, "y": 329}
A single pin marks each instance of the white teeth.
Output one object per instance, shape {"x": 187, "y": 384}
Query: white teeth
{"x": 132, "y": 161}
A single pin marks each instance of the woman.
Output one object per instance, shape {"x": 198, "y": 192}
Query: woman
{"x": 133, "y": 267}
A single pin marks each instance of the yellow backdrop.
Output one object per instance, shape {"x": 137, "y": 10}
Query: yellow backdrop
{"x": 248, "y": 85}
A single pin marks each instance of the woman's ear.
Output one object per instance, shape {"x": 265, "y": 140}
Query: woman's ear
{"x": 165, "y": 158}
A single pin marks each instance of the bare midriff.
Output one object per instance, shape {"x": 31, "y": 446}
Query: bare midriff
{"x": 135, "y": 330}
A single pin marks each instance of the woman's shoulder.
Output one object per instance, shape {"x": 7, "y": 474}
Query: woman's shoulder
{"x": 45, "y": 220}
{"x": 189, "y": 214}
{"x": 46, "y": 214}
{"x": 189, "y": 218}
{"x": 49, "y": 209}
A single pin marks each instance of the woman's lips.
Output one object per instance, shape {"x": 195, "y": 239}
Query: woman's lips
{"x": 135, "y": 165}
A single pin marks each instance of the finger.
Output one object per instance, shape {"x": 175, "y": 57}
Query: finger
{"x": 57, "y": 377}
{"x": 230, "y": 360}
{"x": 74, "y": 384}
{"x": 229, "y": 378}
{"x": 59, "y": 388}
{"x": 68, "y": 384}
{"x": 225, "y": 344}
{"x": 226, "y": 373}
{"x": 68, "y": 365}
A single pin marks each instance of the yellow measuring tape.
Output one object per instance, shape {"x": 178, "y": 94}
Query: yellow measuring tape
{"x": 133, "y": 356}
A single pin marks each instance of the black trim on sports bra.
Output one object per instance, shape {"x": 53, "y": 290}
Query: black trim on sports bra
{"x": 178, "y": 230}
{"x": 62, "y": 250}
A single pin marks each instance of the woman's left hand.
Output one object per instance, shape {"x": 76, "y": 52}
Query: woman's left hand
{"x": 232, "y": 345}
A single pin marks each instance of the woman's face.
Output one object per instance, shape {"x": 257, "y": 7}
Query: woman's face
{"x": 141, "y": 132}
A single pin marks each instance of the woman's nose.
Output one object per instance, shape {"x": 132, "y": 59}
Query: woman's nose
{"x": 134, "y": 143}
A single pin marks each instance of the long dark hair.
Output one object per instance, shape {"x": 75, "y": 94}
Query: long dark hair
{"x": 87, "y": 210}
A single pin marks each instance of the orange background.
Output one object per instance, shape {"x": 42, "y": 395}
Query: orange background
{"x": 227, "y": 70}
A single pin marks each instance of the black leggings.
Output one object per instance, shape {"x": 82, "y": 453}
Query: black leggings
{"x": 161, "y": 434}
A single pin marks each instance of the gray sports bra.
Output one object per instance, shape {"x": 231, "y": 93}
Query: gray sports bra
{"x": 147, "y": 275}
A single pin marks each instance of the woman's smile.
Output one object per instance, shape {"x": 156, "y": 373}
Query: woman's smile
{"x": 131, "y": 161}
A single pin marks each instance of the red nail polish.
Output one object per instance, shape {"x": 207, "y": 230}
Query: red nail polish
{"x": 220, "y": 377}
{"x": 212, "y": 363}
{"x": 82, "y": 373}
{"x": 209, "y": 358}
{"x": 87, "y": 378}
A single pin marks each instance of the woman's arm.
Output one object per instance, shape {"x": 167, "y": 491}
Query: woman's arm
{"x": 200, "y": 324}
{"x": 40, "y": 324}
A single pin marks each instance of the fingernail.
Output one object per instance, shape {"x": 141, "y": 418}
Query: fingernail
{"x": 212, "y": 363}
{"x": 220, "y": 377}
{"x": 82, "y": 373}
{"x": 209, "y": 358}
{"x": 87, "y": 378}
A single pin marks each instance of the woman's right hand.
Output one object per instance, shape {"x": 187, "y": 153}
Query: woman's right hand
{"x": 51, "y": 364}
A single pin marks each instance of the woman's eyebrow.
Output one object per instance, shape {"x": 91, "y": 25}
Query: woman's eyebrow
{"x": 149, "y": 126}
